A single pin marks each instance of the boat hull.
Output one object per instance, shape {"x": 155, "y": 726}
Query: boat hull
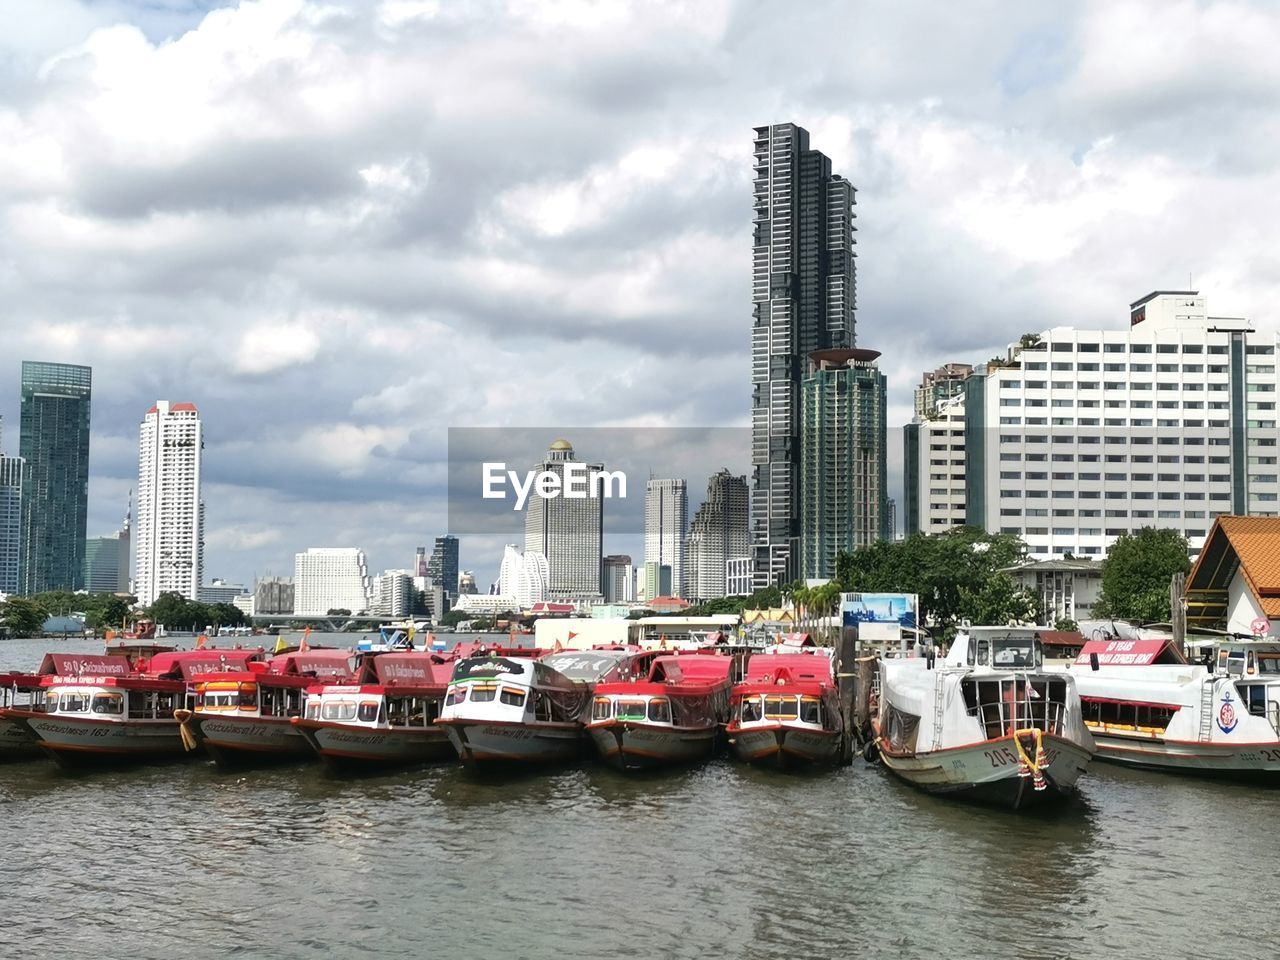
{"x": 1259, "y": 762}
{"x": 987, "y": 771}
{"x": 85, "y": 741}
{"x": 17, "y": 742}
{"x": 781, "y": 746}
{"x": 345, "y": 747}
{"x": 641, "y": 746}
{"x": 484, "y": 742}
{"x": 247, "y": 741}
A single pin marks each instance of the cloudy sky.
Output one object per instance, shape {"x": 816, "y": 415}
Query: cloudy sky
{"x": 342, "y": 227}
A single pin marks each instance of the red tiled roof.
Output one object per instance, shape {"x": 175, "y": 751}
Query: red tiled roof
{"x": 1256, "y": 543}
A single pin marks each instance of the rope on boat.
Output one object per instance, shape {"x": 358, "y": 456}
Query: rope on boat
{"x": 189, "y": 741}
{"x": 1028, "y": 767}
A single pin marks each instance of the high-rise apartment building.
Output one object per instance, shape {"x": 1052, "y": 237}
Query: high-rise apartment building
{"x": 568, "y": 531}
{"x": 803, "y": 293}
{"x": 666, "y": 515}
{"x": 170, "y": 552}
{"x": 933, "y": 470}
{"x": 523, "y": 576}
{"x": 1079, "y": 436}
{"x": 720, "y": 532}
{"x": 54, "y": 446}
{"x": 107, "y": 559}
{"x": 843, "y": 471}
{"x": 939, "y": 385}
{"x": 619, "y": 579}
{"x": 10, "y": 522}
{"x": 443, "y": 565}
{"x": 330, "y": 578}
{"x": 273, "y": 596}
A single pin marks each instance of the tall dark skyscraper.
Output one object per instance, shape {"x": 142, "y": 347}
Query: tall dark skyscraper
{"x": 803, "y": 294}
{"x": 443, "y": 565}
{"x": 54, "y": 446}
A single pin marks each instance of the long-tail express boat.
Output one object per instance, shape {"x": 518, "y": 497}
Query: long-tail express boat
{"x": 518, "y": 708}
{"x": 987, "y": 723}
{"x": 246, "y": 717}
{"x": 385, "y": 717}
{"x": 785, "y": 712}
{"x": 675, "y": 715}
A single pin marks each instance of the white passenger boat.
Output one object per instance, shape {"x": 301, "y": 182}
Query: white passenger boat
{"x": 1147, "y": 707}
{"x": 510, "y": 708}
{"x": 986, "y": 723}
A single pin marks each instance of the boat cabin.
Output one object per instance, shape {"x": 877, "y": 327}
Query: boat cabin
{"x": 681, "y": 690}
{"x": 785, "y": 687}
{"x": 392, "y": 690}
{"x": 1005, "y": 687}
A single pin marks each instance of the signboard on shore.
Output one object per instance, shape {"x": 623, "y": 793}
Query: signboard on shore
{"x": 879, "y": 617}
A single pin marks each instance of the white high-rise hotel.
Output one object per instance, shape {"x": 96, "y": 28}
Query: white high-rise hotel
{"x": 170, "y": 532}
{"x": 666, "y": 515}
{"x": 331, "y": 578}
{"x": 1084, "y": 435}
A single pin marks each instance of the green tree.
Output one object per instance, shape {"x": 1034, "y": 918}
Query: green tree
{"x": 454, "y": 617}
{"x": 998, "y": 601}
{"x": 1065, "y": 623}
{"x": 107, "y": 611}
{"x": 338, "y": 612}
{"x": 23, "y": 616}
{"x": 1136, "y": 575}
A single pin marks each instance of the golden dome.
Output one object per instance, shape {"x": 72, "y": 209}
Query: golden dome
{"x": 562, "y": 445}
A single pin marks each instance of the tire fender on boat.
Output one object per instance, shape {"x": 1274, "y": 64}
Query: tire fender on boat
{"x": 871, "y": 752}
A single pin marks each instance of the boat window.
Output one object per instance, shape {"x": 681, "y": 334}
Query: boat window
{"x": 751, "y": 710}
{"x": 456, "y": 695}
{"x": 110, "y": 703}
{"x": 338, "y": 710}
{"x": 630, "y": 710}
{"x": 75, "y": 703}
{"x": 810, "y": 710}
{"x": 780, "y": 708}
{"x": 984, "y": 651}
{"x": 1269, "y": 663}
{"x": 601, "y": 708}
{"x": 313, "y": 711}
{"x": 1013, "y": 653}
{"x": 1255, "y": 696}
{"x": 483, "y": 692}
{"x": 368, "y": 711}
{"x": 660, "y": 710}
{"x": 1235, "y": 663}
{"x": 512, "y": 697}
{"x": 248, "y": 696}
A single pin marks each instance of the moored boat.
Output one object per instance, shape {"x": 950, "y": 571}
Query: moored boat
{"x": 987, "y": 723}
{"x": 108, "y": 712}
{"x": 245, "y": 717}
{"x": 531, "y": 710}
{"x": 1147, "y": 707}
{"x": 384, "y": 718}
{"x": 785, "y": 712}
{"x": 675, "y": 715}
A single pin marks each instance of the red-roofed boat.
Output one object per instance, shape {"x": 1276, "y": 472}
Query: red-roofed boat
{"x": 785, "y": 711}
{"x": 97, "y": 709}
{"x": 517, "y": 708}
{"x": 385, "y": 718}
{"x": 245, "y": 717}
{"x": 675, "y": 715}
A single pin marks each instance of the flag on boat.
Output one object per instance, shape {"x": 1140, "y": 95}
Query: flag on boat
{"x": 572, "y": 634}
{"x": 303, "y": 646}
{"x": 201, "y": 641}
{"x": 281, "y": 645}
{"x": 408, "y": 640}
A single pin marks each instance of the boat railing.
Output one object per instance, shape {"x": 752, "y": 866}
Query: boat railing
{"x": 1005, "y": 705}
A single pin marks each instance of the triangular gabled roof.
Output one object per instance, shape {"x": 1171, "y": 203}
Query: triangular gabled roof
{"x": 1248, "y": 544}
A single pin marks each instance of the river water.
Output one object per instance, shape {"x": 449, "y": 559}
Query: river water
{"x": 186, "y": 861}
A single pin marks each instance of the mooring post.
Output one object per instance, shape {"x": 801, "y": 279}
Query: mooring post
{"x": 847, "y": 674}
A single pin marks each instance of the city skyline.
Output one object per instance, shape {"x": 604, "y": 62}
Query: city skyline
{"x": 274, "y": 262}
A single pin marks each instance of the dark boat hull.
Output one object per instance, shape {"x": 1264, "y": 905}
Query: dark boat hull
{"x": 249, "y": 741}
{"x": 783, "y": 747}
{"x": 488, "y": 743}
{"x": 640, "y": 746}
{"x": 83, "y": 741}
{"x": 348, "y": 748}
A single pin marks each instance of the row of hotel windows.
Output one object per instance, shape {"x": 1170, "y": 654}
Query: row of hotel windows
{"x": 1110, "y": 458}
{"x": 1136, "y": 477}
{"x": 1111, "y": 422}
{"x": 1113, "y": 440}
{"x": 1266, "y": 369}
{"x": 1119, "y": 404}
{"x": 1253, "y": 350}
{"x": 1126, "y": 495}
{"x": 1131, "y": 385}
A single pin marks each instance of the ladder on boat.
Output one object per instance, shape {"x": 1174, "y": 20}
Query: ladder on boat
{"x": 938, "y": 690}
{"x": 1206, "y": 709}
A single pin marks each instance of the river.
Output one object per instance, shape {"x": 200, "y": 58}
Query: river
{"x": 186, "y": 861}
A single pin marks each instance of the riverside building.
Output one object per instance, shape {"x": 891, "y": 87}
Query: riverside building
{"x": 1081, "y": 436}
{"x": 666, "y": 515}
{"x": 568, "y": 531}
{"x": 170, "y": 512}
{"x": 720, "y": 532}
{"x": 803, "y": 299}
{"x": 330, "y": 578}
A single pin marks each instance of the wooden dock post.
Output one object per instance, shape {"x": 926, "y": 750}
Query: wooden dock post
{"x": 847, "y": 682}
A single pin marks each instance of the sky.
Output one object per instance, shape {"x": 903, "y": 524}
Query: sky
{"x": 341, "y": 228}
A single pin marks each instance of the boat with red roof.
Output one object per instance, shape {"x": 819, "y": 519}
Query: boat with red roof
{"x": 98, "y": 709}
{"x": 245, "y": 717}
{"x": 385, "y": 717}
{"x": 531, "y": 709}
{"x": 785, "y": 711}
{"x": 677, "y": 714}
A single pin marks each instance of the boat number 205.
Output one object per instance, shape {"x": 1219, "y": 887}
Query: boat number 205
{"x": 1005, "y": 756}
